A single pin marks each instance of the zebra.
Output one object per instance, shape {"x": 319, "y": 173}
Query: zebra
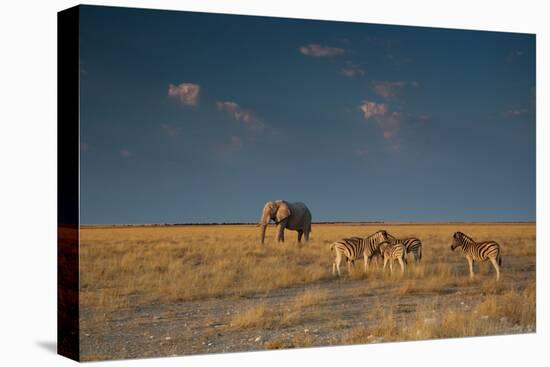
{"x": 478, "y": 251}
{"x": 391, "y": 251}
{"x": 353, "y": 248}
{"x": 412, "y": 244}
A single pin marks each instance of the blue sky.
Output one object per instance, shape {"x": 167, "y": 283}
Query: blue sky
{"x": 190, "y": 117}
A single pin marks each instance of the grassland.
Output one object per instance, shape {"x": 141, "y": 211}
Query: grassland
{"x": 151, "y": 291}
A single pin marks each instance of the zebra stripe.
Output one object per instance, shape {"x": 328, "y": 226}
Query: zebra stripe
{"x": 391, "y": 251}
{"x": 353, "y": 248}
{"x": 478, "y": 251}
{"x": 412, "y": 245}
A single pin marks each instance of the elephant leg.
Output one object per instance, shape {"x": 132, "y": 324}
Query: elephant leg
{"x": 300, "y": 233}
{"x": 306, "y": 235}
{"x": 280, "y": 233}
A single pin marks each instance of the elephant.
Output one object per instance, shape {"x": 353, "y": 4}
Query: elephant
{"x": 293, "y": 216}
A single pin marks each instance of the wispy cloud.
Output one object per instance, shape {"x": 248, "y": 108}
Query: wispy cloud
{"x": 124, "y": 153}
{"x": 247, "y": 117}
{"x": 171, "y": 130}
{"x": 514, "y": 55}
{"x": 187, "y": 93}
{"x": 229, "y": 145}
{"x": 515, "y": 111}
{"x": 389, "y": 122}
{"x": 315, "y": 50}
{"x": 362, "y": 152}
{"x": 390, "y": 89}
{"x": 352, "y": 70}
{"x": 236, "y": 142}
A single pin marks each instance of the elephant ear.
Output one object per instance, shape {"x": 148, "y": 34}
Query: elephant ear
{"x": 266, "y": 213}
{"x": 283, "y": 211}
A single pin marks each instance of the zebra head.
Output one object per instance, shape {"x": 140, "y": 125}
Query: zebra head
{"x": 389, "y": 237}
{"x": 382, "y": 234}
{"x": 383, "y": 246}
{"x": 457, "y": 240}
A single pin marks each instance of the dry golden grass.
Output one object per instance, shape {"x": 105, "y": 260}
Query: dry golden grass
{"x": 310, "y": 297}
{"x": 175, "y": 264}
{"x": 298, "y": 310}
{"x": 296, "y": 341}
{"x": 509, "y": 311}
{"x": 122, "y": 268}
{"x": 255, "y": 316}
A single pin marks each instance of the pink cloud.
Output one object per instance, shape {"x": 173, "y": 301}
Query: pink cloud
{"x": 187, "y": 93}
{"x": 388, "y": 89}
{"x": 124, "y": 153}
{"x": 351, "y": 70}
{"x": 389, "y": 122}
{"x": 371, "y": 109}
{"x": 241, "y": 115}
{"x": 315, "y": 50}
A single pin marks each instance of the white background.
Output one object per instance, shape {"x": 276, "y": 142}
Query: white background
{"x": 28, "y": 180}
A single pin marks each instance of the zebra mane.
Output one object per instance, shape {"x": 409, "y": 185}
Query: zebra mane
{"x": 380, "y": 232}
{"x": 463, "y": 238}
{"x": 392, "y": 238}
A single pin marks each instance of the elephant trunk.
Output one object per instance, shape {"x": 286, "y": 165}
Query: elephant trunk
{"x": 263, "y": 228}
{"x": 263, "y": 225}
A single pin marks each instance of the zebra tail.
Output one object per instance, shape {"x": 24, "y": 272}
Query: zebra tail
{"x": 499, "y": 260}
{"x": 420, "y": 253}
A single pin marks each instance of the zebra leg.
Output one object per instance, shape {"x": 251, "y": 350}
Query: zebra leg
{"x": 338, "y": 262}
{"x": 497, "y": 268}
{"x": 391, "y": 267}
{"x": 402, "y": 266}
{"x": 280, "y": 233}
{"x": 367, "y": 259}
{"x": 471, "y": 265}
{"x": 351, "y": 265}
{"x": 385, "y": 262}
{"x": 300, "y": 233}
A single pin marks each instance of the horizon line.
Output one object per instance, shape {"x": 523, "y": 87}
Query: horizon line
{"x": 321, "y": 222}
